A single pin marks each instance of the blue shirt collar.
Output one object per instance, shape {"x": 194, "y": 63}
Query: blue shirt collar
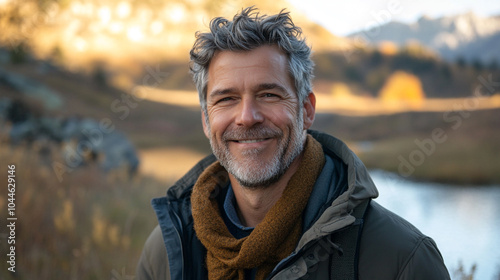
{"x": 230, "y": 209}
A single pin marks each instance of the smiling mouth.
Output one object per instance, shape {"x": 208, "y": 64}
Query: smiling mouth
{"x": 251, "y": 141}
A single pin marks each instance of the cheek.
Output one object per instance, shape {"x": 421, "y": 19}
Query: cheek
{"x": 286, "y": 116}
{"x": 218, "y": 123}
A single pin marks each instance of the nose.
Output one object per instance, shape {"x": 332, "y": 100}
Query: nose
{"x": 249, "y": 113}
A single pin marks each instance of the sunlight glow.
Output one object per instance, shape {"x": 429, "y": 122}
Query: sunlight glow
{"x": 177, "y": 13}
{"x": 72, "y": 28}
{"x": 135, "y": 34}
{"x": 174, "y": 38}
{"x": 104, "y": 14}
{"x": 4, "y": 2}
{"x": 86, "y": 9}
{"x": 80, "y": 44}
{"x": 123, "y": 9}
{"x": 156, "y": 27}
{"x": 116, "y": 27}
{"x": 144, "y": 15}
{"x": 195, "y": 2}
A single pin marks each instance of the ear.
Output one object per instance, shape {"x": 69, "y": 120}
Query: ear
{"x": 204, "y": 123}
{"x": 309, "y": 110}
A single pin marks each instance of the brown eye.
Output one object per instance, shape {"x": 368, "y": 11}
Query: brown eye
{"x": 269, "y": 95}
{"x": 225, "y": 99}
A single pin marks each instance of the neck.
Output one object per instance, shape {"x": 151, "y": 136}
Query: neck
{"x": 254, "y": 203}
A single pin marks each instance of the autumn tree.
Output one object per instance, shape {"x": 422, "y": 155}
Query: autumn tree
{"x": 403, "y": 87}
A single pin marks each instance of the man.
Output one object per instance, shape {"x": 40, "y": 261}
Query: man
{"x": 275, "y": 201}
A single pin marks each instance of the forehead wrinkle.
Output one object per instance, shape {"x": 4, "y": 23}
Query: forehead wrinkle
{"x": 225, "y": 64}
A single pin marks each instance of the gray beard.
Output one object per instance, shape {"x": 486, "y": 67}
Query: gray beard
{"x": 251, "y": 172}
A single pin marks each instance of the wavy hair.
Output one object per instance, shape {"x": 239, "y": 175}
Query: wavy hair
{"x": 247, "y": 31}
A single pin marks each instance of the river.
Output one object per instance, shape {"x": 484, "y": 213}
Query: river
{"x": 464, "y": 221}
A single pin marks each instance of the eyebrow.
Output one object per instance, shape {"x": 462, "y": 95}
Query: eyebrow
{"x": 222, "y": 91}
{"x": 259, "y": 87}
{"x": 267, "y": 86}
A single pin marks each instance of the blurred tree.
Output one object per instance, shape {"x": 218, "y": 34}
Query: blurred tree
{"x": 376, "y": 58}
{"x": 19, "y": 53}
{"x": 324, "y": 66}
{"x": 415, "y": 58}
{"x": 461, "y": 274}
{"x": 415, "y": 49}
{"x": 352, "y": 73}
{"x": 403, "y": 86}
{"x": 445, "y": 72}
{"x": 99, "y": 74}
{"x": 56, "y": 55}
{"x": 388, "y": 48}
{"x": 461, "y": 62}
{"x": 19, "y": 20}
{"x": 374, "y": 80}
{"x": 493, "y": 65}
{"x": 477, "y": 64}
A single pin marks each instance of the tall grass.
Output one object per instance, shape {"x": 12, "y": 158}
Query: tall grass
{"x": 87, "y": 226}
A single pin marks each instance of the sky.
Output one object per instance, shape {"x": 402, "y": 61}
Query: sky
{"x": 345, "y": 17}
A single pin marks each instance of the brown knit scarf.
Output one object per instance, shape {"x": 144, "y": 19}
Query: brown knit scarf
{"x": 272, "y": 240}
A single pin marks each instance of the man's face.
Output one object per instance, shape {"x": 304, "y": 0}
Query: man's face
{"x": 255, "y": 124}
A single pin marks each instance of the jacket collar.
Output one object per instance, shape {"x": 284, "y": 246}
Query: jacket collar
{"x": 360, "y": 187}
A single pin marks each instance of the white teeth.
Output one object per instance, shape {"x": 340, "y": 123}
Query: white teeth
{"x": 250, "y": 141}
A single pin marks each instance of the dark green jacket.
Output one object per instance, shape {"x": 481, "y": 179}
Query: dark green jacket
{"x": 389, "y": 246}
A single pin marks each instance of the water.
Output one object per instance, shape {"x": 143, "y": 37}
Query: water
{"x": 464, "y": 221}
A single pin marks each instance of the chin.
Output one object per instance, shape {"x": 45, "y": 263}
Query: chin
{"x": 256, "y": 174}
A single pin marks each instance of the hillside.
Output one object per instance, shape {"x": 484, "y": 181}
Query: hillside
{"x": 424, "y": 146}
{"x": 146, "y": 123}
{"x": 83, "y": 36}
{"x": 368, "y": 70}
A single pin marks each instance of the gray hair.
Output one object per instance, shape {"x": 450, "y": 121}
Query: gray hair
{"x": 247, "y": 31}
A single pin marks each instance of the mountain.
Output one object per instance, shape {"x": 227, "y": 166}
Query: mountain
{"x": 466, "y": 36}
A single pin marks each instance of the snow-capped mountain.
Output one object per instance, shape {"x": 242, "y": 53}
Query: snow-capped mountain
{"x": 468, "y": 35}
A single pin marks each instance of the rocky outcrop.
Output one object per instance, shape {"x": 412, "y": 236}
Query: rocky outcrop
{"x": 76, "y": 141}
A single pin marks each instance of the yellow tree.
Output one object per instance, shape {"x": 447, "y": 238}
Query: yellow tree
{"x": 403, "y": 88}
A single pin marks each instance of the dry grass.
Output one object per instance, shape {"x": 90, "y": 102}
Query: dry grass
{"x": 89, "y": 226}
{"x": 459, "y": 160}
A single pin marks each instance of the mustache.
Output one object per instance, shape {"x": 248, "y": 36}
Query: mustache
{"x": 255, "y": 132}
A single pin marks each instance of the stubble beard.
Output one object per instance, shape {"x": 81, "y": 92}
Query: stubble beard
{"x": 251, "y": 171}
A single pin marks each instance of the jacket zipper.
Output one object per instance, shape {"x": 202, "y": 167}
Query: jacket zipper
{"x": 177, "y": 229}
